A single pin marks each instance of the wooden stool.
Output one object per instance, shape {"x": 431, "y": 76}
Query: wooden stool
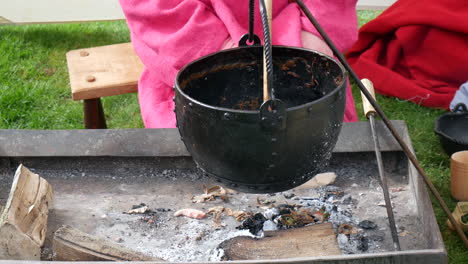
{"x": 102, "y": 71}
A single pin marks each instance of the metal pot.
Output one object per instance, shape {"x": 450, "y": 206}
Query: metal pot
{"x": 452, "y": 129}
{"x": 252, "y": 148}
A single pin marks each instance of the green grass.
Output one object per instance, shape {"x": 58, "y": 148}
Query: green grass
{"x": 34, "y": 84}
{"x": 35, "y": 94}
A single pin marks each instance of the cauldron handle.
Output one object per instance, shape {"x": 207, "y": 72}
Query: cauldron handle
{"x": 272, "y": 111}
{"x": 273, "y": 115}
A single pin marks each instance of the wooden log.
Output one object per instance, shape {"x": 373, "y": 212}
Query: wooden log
{"x": 309, "y": 241}
{"x": 23, "y": 222}
{"x": 70, "y": 244}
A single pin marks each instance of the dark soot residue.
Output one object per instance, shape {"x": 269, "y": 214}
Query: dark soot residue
{"x": 241, "y": 86}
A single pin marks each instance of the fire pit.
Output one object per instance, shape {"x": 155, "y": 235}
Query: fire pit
{"x": 98, "y": 175}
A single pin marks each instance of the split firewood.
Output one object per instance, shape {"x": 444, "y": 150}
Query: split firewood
{"x": 23, "y": 222}
{"x": 310, "y": 241}
{"x": 70, "y": 244}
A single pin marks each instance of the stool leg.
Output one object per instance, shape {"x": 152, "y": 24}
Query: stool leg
{"x": 94, "y": 114}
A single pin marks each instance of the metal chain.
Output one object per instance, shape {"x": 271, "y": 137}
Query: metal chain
{"x": 251, "y": 20}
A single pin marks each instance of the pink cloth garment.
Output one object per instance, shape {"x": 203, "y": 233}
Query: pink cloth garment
{"x": 167, "y": 34}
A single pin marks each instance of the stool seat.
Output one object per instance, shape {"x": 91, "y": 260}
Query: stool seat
{"x": 103, "y": 71}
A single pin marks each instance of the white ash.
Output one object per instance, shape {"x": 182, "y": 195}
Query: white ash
{"x": 199, "y": 250}
{"x": 333, "y": 205}
{"x": 170, "y": 239}
{"x": 341, "y": 207}
{"x": 200, "y": 238}
{"x": 270, "y": 213}
{"x": 196, "y": 240}
{"x": 269, "y": 225}
{"x": 342, "y": 239}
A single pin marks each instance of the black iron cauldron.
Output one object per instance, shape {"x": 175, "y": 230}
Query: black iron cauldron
{"x": 218, "y": 99}
{"x": 452, "y": 129}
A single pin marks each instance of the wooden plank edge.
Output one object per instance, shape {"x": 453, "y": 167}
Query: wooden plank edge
{"x": 70, "y": 244}
{"x": 104, "y": 91}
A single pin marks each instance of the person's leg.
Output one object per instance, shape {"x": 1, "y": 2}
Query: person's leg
{"x": 156, "y": 104}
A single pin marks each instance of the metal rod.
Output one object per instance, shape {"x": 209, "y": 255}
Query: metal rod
{"x": 387, "y": 122}
{"x": 383, "y": 183}
{"x": 370, "y": 113}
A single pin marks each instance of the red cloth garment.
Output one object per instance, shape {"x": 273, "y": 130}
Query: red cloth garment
{"x": 168, "y": 34}
{"x": 415, "y": 50}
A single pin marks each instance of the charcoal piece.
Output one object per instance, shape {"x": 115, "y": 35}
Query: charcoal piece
{"x": 254, "y": 224}
{"x": 366, "y": 224}
{"x": 334, "y": 208}
{"x": 290, "y": 206}
{"x": 377, "y": 238}
{"x": 362, "y": 243}
{"x": 309, "y": 198}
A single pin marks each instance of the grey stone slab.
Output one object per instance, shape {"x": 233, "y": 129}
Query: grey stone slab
{"x": 354, "y": 137}
{"x": 88, "y": 143}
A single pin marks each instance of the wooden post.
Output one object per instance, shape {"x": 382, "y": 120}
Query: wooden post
{"x": 94, "y": 114}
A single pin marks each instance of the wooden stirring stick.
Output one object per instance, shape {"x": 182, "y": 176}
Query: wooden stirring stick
{"x": 266, "y": 95}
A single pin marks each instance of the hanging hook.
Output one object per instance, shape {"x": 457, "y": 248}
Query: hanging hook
{"x": 253, "y": 39}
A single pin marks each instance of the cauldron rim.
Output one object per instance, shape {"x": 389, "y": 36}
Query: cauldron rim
{"x": 237, "y": 111}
